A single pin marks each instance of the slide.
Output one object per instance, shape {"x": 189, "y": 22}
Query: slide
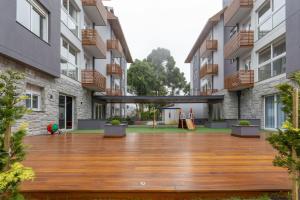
{"x": 190, "y": 125}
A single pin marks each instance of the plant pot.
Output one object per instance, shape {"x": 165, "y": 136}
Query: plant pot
{"x": 115, "y": 131}
{"x": 246, "y": 131}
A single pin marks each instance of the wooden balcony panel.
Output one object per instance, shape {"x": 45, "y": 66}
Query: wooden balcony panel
{"x": 208, "y": 46}
{"x": 239, "y": 44}
{"x": 243, "y": 79}
{"x": 115, "y": 46}
{"x": 113, "y": 92}
{"x": 93, "y": 80}
{"x": 114, "y": 69}
{"x": 92, "y": 42}
{"x": 209, "y": 69}
{"x": 237, "y": 11}
{"x": 208, "y": 92}
{"x": 96, "y": 11}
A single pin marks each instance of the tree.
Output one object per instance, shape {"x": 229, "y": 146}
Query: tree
{"x": 166, "y": 70}
{"x": 287, "y": 141}
{"x": 187, "y": 89}
{"x": 12, "y": 150}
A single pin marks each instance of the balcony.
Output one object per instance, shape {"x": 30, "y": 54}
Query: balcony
{"x": 114, "y": 70}
{"x": 239, "y": 44}
{"x": 93, "y": 80}
{"x": 208, "y": 69}
{"x": 208, "y": 47}
{"x": 243, "y": 79}
{"x": 208, "y": 92}
{"x": 95, "y": 11}
{"x": 92, "y": 42}
{"x": 113, "y": 92}
{"x": 115, "y": 47}
{"x": 237, "y": 11}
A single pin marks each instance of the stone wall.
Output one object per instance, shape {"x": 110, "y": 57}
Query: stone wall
{"x": 51, "y": 88}
{"x": 229, "y": 105}
{"x": 252, "y": 100}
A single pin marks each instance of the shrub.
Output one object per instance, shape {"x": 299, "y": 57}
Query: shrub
{"x": 115, "y": 122}
{"x": 244, "y": 123}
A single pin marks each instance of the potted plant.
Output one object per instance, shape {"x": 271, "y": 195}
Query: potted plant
{"x": 245, "y": 129}
{"x": 115, "y": 129}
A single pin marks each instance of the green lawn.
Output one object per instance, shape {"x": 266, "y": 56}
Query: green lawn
{"x": 160, "y": 129}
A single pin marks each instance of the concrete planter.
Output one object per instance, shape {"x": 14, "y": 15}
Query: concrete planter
{"x": 217, "y": 124}
{"x": 245, "y": 131}
{"x": 115, "y": 131}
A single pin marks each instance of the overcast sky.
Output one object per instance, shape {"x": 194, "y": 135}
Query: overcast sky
{"x": 171, "y": 24}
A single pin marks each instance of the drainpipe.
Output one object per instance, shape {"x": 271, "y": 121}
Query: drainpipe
{"x": 239, "y": 104}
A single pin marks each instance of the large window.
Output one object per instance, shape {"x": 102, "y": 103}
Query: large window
{"x": 33, "y": 100}
{"x": 274, "y": 116}
{"x": 34, "y": 17}
{"x": 270, "y": 15}
{"x": 272, "y": 60}
{"x": 69, "y": 59}
{"x": 69, "y": 16}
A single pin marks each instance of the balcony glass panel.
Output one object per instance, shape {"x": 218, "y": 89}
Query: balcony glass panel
{"x": 69, "y": 22}
{"x": 265, "y": 28}
{"x": 279, "y": 16}
{"x": 69, "y": 70}
{"x": 265, "y": 55}
{"x": 264, "y": 72}
{"x": 279, "y": 66}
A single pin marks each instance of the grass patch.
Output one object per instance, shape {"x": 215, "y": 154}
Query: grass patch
{"x": 158, "y": 130}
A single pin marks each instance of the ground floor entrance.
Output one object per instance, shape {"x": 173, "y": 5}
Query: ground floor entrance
{"x": 66, "y": 112}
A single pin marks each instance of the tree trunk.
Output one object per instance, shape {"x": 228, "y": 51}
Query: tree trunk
{"x": 7, "y": 137}
{"x": 295, "y": 173}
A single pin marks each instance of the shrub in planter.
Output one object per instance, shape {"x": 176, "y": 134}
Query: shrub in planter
{"x": 115, "y": 122}
{"x": 244, "y": 123}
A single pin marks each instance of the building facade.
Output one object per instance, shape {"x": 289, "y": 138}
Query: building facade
{"x": 60, "y": 48}
{"x": 257, "y": 38}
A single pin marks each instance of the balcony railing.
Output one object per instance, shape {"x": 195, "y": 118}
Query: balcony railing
{"x": 93, "y": 43}
{"x": 208, "y": 92}
{"x": 208, "y": 46}
{"x": 93, "y": 80}
{"x": 96, "y": 11}
{"x": 237, "y": 11}
{"x": 114, "y": 69}
{"x": 239, "y": 44}
{"x": 240, "y": 80}
{"x": 113, "y": 92}
{"x": 115, "y": 46}
{"x": 208, "y": 69}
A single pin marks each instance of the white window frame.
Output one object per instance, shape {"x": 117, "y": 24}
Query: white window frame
{"x": 275, "y": 111}
{"x": 271, "y": 16}
{"x": 31, "y": 93}
{"x": 75, "y": 21}
{"x": 67, "y": 58}
{"x": 41, "y": 11}
{"x": 272, "y": 59}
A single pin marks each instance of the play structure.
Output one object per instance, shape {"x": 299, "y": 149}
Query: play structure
{"x": 187, "y": 122}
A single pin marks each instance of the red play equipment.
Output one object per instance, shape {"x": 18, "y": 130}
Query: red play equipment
{"x": 53, "y": 129}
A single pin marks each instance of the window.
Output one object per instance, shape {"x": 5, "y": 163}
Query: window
{"x": 270, "y": 15}
{"x": 32, "y": 16}
{"x": 33, "y": 100}
{"x": 274, "y": 116}
{"x": 69, "y": 16}
{"x": 272, "y": 61}
{"x": 69, "y": 60}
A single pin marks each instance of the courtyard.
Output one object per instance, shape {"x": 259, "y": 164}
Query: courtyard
{"x": 187, "y": 165}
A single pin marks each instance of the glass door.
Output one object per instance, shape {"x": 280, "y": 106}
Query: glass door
{"x": 65, "y": 112}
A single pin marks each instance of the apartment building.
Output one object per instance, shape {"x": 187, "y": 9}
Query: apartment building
{"x": 60, "y": 48}
{"x": 256, "y": 45}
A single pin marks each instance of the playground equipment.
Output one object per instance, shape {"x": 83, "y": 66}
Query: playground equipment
{"x": 53, "y": 129}
{"x": 187, "y": 122}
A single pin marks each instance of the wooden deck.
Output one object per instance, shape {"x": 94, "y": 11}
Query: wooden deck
{"x": 145, "y": 166}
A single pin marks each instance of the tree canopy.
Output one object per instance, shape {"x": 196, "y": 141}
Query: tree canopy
{"x": 156, "y": 75}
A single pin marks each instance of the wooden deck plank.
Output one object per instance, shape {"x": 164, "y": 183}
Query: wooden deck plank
{"x": 165, "y": 163}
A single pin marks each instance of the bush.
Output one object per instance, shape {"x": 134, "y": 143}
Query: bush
{"x": 244, "y": 123}
{"x": 115, "y": 122}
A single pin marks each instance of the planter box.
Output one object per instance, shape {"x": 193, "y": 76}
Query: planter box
{"x": 216, "y": 124}
{"x": 245, "y": 131}
{"x": 115, "y": 131}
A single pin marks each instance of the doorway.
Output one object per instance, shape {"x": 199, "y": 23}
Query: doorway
{"x": 66, "y": 114}
{"x": 99, "y": 111}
